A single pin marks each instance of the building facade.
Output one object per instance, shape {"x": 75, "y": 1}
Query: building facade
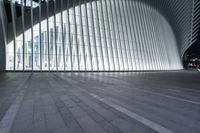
{"x": 95, "y": 35}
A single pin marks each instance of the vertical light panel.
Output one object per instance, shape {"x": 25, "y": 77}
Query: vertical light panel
{"x": 62, "y": 34}
{"x": 23, "y": 35}
{"x": 31, "y": 42}
{"x": 59, "y": 36}
{"x": 52, "y": 37}
{"x": 12, "y": 47}
{"x": 55, "y": 42}
{"x": 122, "y": 36}
{"x": 40, "y": 34}
{"x": 73, "y": 34}
{"x": 145, "y": 37}
{"x": 104, "y": 33}
{"x": 82, "y": 52}
{"x": 113, "y": 36}
{"x": 45, "y": 39}
{"x": 132, "y": 35}
{"x": 129, "y": 34}
{"x": 149, "y": 40}
{"x": 68, "y": 46}
{"x": 98, "y": 36}
{"x": 19, "y": 43}
{"x": 101, "y": 36}
{"x": 90, "y": 60}
{"x": 136, "y": 23}
{"x": 36, "y": 39}
{"x": 116, "y": 19}
{"x": 108, "y": 31}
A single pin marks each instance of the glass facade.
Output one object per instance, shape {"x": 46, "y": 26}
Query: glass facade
{"x": 95, "y": 35}
{"x": 28, "y": 2}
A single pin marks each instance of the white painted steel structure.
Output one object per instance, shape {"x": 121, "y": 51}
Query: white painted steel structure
{"x": 95, "y": 35}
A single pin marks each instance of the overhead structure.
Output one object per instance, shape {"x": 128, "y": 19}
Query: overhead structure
{"x": 98, "y": 35}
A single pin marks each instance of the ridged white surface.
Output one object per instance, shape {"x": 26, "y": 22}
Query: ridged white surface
{"x": 106, "y": 35}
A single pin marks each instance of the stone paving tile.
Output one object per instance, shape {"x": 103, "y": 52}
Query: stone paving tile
{"x": 54, "y": 121}
{"x": 50, "y": 109}
{"x": 108, "y": 115}
{"x": 68, "y": 118}
{"x": 61, "y": 130}
{"x": 95, "y": 116}
{"x": 39, "y": 124}
{"x": 40, "y": 131}
{"x": 88, "y": 124}
{"x": 99, "y": 119}
{"x": 129, "y": 127}
{"x": 69, "y": 103}
{"x": 72, "y": 123}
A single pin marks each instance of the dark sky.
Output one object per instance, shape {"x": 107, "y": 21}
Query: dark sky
{"x": 195, "y": 48}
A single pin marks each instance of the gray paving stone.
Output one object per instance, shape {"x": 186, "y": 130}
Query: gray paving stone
{"x": 86, "y": 122}
{"x": 102, "y": 111}
{"x": 50, "y": 109}
{"x": 70, "y": 120}
{"x": 54, "y": 121}
{"x": 69, "y": 103}
{"x": 61, "y": 130}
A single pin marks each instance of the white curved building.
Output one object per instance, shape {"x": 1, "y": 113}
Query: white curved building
{"x": 97, "y": 35}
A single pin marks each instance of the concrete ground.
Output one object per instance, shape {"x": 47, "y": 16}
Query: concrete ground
{"x": 130, "y": 102}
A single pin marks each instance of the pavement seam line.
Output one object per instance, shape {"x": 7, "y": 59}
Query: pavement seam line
{"x": 157, "y": 127}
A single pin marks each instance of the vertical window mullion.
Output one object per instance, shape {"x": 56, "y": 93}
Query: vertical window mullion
{"x": 55, "y": 33}
{"x": 156, "y": 62}
{"x": 123, "y": 37}
{"x": 160, "y": 40}
{"x": 149, "y": 40}
{"x": 145, "y": 37}
{"x": 32, "y": 34}
{"x": 69, "y": 36}
{"x": 61, "y": 7}
{"x": 114, "y": 37}
{"x": 105, "y": 37}
{"x": 140, "y": 59}
{"x": 40, "y": 35}
{"x": 14, "y": 32}
{"x": 109, "y": 37}
{"x": 132, "y": 36}
{"x": 94, "y": 35}
{"x": 76, "y": 42}
{"x": 127, "y": 34}
{"x": 88, "y": 34}
{"x": 82, "y": 35}
{"x": 48, "y": 35}
{"x": 23, "y": 28}
{"x": 98, "y": 25}
{"x": 120, "y": 49}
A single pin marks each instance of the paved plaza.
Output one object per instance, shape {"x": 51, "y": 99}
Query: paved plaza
{"x": 120, "y": 102}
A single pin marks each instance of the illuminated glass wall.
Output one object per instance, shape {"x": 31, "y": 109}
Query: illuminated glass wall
{"x": 95, "y": 35}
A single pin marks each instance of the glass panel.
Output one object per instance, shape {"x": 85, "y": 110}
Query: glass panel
{"x": 36, "y": 41}
{"x": 19, "y": 53}
{"x": 10, "y": 56}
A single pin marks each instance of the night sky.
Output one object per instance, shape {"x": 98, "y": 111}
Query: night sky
{"x": 195, "y": 48}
